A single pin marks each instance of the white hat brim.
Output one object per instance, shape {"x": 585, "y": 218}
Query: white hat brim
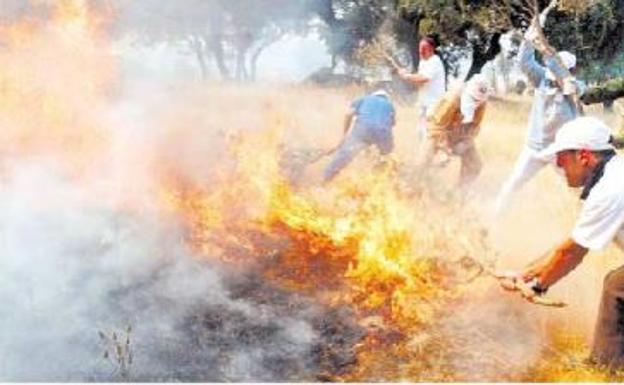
{"x": 549, "y": 153}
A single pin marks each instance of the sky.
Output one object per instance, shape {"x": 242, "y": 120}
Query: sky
{"x": 290, "y": 59}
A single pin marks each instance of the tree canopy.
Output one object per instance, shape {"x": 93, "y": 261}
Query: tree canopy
{"x": 232, "y": 35}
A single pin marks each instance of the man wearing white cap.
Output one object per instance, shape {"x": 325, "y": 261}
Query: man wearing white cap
{"x": 368, "y": 122}
{"x": 583, "y": 151}
{"x": 453, "y": 126}
{"x": 553, "y": 105}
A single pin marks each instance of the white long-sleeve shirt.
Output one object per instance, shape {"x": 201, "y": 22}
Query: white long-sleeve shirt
{"x": 551, "y": 109}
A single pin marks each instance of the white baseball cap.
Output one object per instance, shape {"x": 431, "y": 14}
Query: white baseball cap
{"x": 581, "y": 133}
{"x": 381, "y": 92}
{"x": 567, "y": 59}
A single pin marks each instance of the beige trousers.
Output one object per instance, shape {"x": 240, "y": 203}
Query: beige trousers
{"x": 465, "y": 149}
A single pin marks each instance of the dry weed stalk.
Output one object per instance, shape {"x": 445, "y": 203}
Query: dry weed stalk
{"x": 117, "y": 351}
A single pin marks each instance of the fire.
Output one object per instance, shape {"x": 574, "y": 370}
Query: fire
{"x": 56, "y": 71}
{"x": 362, "y": 239}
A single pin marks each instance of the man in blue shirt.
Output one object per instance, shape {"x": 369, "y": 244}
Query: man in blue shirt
{"x": 369, "y": 122}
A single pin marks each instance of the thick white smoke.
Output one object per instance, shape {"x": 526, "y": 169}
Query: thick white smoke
{"x": 72, "y": 266}
{"x": 86, "y": 245}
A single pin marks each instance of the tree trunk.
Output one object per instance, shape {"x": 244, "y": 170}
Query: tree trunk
{"x": 607, "y": 105}
{"x": 253, "y": 66}
{"x": 609, "y": 90}
{"x": 411, "y": 27}
{"x": 241, "y": 67}
{"x": 253, "y": 62}
{"x": 481, "y": 54}
{"x": 216, "y": 47}
{"x": 413, "y": 46}
{"x": 334, "y": 61}
{"x": 198, "y": 46}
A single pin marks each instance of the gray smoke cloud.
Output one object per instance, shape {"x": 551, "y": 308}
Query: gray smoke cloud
{"x": 72, "y": 267}
{"x": 83, "y": 255}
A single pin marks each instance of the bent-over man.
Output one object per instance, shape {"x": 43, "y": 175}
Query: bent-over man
{"x": 583, "y": 151}
{"x": 453, "y": 126}
{"x": 369, "y": 122}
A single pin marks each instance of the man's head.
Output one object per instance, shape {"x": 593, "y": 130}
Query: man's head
{"x": 380, "y": 91}
{"x": 426, "y": 47}
{"x": 578, "y": 148}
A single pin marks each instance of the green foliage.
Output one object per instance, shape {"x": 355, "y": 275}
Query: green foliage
{"x": 595, "y": 33}
{"x": 349, "y": 24}
{"x": 220, "y": 29}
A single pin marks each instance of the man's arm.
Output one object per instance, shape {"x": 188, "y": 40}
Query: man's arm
{"x": 567, "y": 256}
{"x": 416, "y": 78}
{"x": 347, "y": 124}
{"x": 528, "y": 65}
{"x": 348, "y": 120}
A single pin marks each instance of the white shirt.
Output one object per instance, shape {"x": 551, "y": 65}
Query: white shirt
{"x": 468, "y": 106}
{"x": 602, "y": 217}
{"x": 430, "y": 92}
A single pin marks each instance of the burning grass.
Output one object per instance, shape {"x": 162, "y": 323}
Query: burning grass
{"x": 56, "y": 72}
{"x": 390, "y": 245}
{"x": 381, "y": 251}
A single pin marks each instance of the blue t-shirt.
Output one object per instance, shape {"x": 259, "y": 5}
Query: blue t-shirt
{"x": 374, "y": 111}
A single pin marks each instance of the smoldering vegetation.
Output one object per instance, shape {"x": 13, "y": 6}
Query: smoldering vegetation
{"x": 91, "y": 262}
{"x": 72, "y": 269}
{"x": 99, "y": 281}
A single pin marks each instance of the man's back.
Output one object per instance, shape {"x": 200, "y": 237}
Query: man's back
{"x": 375, "y": 111}
{"x": 446, "y": 118}
{"x": 602, "y": 216}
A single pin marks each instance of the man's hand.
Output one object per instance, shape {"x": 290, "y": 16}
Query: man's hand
{"x": 514, "y": 281}
{"x": 508, "y": 279}
{"x": 569, "y": 86}
{"x": 531, "y": 34}
{"x": 529, "y": 273}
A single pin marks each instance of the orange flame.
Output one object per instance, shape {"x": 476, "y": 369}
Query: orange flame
{"x": 361, "y": 236}
{"x": 55, "y": 72}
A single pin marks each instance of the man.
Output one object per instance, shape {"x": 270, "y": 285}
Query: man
{"x": 430, "y": 79}
{"x": 583, "y": 151}
{"x": 553, "y": 105}
{"x": 369, "y": 122}
{"x": 454, "y": 124}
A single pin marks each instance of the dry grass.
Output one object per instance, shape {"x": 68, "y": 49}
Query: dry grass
{"x": 474, "y": 333}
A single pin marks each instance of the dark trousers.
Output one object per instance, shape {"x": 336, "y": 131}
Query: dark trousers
{"x": 608, "y": 348}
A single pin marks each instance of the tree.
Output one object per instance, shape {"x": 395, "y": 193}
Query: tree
{"x": 593, "y": 30}
{"x": 462, "y": 25}
{"x": 347, "y": 24}
{"x": 226, "y": 31}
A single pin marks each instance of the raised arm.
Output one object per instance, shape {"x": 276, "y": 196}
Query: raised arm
{"x": 528, "y": 65}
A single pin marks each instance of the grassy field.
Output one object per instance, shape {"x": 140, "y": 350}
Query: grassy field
{"x": 501, "y": 338}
